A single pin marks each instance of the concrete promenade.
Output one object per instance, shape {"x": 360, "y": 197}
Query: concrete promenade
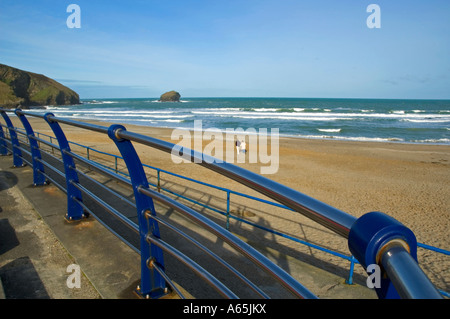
{"x": 37, "y": 245}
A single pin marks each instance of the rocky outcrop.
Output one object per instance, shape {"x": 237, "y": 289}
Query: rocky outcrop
{"x": 171, "y": 96}
{"x": 27, "y": 89}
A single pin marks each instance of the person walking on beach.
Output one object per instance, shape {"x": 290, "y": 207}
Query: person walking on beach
{"x": 243, "y": 147}
{"x": 238, "y": 146}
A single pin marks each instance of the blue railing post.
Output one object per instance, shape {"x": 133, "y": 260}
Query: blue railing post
{"x": 15, "y": 146}
{"x": 74, "y": 209}
{"x": 3, "y": 146}
{"x": 228, "y": 211}
{"x": 153, "y": 284}
{"x": 38, "y": 177}
{"x": 349, "y": 280}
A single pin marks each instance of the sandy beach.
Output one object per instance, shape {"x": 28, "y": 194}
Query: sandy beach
{"x": 409, "y": 182}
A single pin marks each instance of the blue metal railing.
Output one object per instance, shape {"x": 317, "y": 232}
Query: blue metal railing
{"x": 374, "y": 238}
{"x": 157, "y": 185}
{"x": 228, "y": 192}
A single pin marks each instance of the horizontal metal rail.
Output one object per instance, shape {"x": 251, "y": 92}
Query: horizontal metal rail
{"x": 240, "y": 246}
{"x": 202, "y": 272}
{"x": 108, "y": 207}
{"x": 409, "y": 280}
{"x": 210, "y": 253}
{"x": 107, "y": 189}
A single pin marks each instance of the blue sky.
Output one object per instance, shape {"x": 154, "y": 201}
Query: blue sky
{"x": 245, "y": 48}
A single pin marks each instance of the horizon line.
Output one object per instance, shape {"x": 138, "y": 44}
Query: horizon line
{"x": 273, "y": 97}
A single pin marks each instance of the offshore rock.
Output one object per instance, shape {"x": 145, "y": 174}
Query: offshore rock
{"x": 171, "y": 96}
{"x": 25, "y": 89}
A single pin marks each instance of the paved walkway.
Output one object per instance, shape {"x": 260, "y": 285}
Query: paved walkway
{"x": 37, "y": 245}
{"x": 33, "y": 262}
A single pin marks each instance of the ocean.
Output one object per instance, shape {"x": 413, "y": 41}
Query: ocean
{"x": 374, "y": 120}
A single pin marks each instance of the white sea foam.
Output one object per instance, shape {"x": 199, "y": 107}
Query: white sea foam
{"x": 353, "y": 138}
{"x": 293, "y": 118}
{"x": 216, "y": 110}
{"x": 171, "y": 121}
{"x": 159, "y": 101}
{"x": 434, "y": 141}
{"x": 429, "y": 120}
{"x": 266, "y": 110}
{"x": 377, "y": 139}
{"x": 329, "y": 130}
{"x": 156, "y": 116}
{"x": 125, "y": 112}
{"x": 101, "y": 102}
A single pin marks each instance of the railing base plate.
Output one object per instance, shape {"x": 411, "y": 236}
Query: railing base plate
{"x": 72, "y": 220}
{"x": 156, "y": 294}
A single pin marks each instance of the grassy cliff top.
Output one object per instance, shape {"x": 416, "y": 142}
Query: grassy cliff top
{"x": 27, "y": 89}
